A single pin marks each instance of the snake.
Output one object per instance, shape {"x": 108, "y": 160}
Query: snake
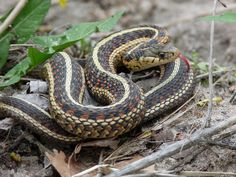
{"x": 123, "y": 104}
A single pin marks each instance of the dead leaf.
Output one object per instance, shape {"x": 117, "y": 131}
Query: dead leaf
{"x": 70, "y": 167}
{"x": 73, "y": 158}
{"x": 58, "y": 160}
{"x": 232, "y": 88}
{"x": 38, "y": 86}
{"x": 6, "y": 124}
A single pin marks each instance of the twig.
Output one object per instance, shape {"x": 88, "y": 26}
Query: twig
{"x": 207, "y": 120}
{"x": 156, "y": 174}
{"x": 15, "y": 144}
{"x": 135, "y": 78}
{"x": 215, "y": 73}
{"x": 22, "y": 45}
{"x": 223, "y": 4}
{"x": 170, "y": 122}
{"x": 187, "y": 159}
{"x": 232, "y": 97}
{"x": 221, "y": 78}
{"x": 29, "y": 137}
{"x": 99, "y": 174}
{"x": 12, "y": 15}
{"x": 230, "y": 132}
{"x": 199, "y": 150}
{"x": 185, "y": 173}
{"x": 224, "y": 145}
{"x": 203, "y": 173}
{"x": 174, "y": 148}
{"x": 90, "y": 170}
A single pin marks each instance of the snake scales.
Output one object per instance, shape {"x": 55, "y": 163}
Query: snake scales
{"x": 124, "y": 103}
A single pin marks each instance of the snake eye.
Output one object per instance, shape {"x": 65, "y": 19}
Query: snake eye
{"x": 161, "y": 55}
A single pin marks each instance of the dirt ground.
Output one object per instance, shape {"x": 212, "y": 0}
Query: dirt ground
{"x": 191, "y": 36}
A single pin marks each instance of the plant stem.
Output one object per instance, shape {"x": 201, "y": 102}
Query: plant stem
{"x": 207, "y": 120}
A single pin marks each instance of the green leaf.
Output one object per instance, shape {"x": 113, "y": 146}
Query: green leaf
{"x": 37, "y": 57}
{"x": 10, "y": 81}
{"x": 29, "y": 19}
{"x": 23, "y": 26}
{"x": 203, "y": 66}
{"x": 85, "y": 46}
{"x": 108, "y": 24}
{"x": 55, "y": 43}
{"x": 228, "y": 17}
{"x": 5, "y": 45}
{"x": 52, "y": 44}
{"x": 20, "y": 69}
{"x": 13, "y": 76}
{"x": 75, "y": 33}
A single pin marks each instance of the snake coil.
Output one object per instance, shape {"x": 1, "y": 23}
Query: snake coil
{"x": 125, "y": 104}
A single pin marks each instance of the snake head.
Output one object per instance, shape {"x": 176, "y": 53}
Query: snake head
{"x": 150, "y": 54}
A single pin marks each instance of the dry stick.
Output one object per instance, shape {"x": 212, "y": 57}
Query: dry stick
{"x": 201, "y": 173}
{"x": 90, "y": 170}
{"x": 187, "y": 173}
{"x": 232, "y": 97}
{"x": 221, "y": 78}
{"x": 199, "y": 150}
{"x": 174, "y": 148}
{"x": 15, "y": 144}
{"x": 12, "y": 15}
{"x": 215, "y": 73}
{"x": 22, "y": 45}
{"x": 229, "y": 133}
{"x": 156, "y": 174}
{"x": 187, "y": 159}
{"x": 99, "y": 174}
{"x": 223, "y": 4}
{"x": 224, "y": 145}
{"x": 207, "y": 120}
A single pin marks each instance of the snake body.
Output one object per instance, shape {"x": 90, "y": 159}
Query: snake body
{"x": 124, "y": 103}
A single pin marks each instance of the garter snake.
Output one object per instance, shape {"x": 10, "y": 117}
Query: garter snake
{"x": 124, "y": 103}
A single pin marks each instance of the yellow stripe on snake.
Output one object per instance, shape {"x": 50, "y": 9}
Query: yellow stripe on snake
{"x": 124, "y": 104}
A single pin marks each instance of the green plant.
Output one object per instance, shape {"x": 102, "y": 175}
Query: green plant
{"x": 48, "y": 44}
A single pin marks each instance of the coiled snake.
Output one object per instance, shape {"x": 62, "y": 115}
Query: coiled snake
{"x": 124, "y": 103}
